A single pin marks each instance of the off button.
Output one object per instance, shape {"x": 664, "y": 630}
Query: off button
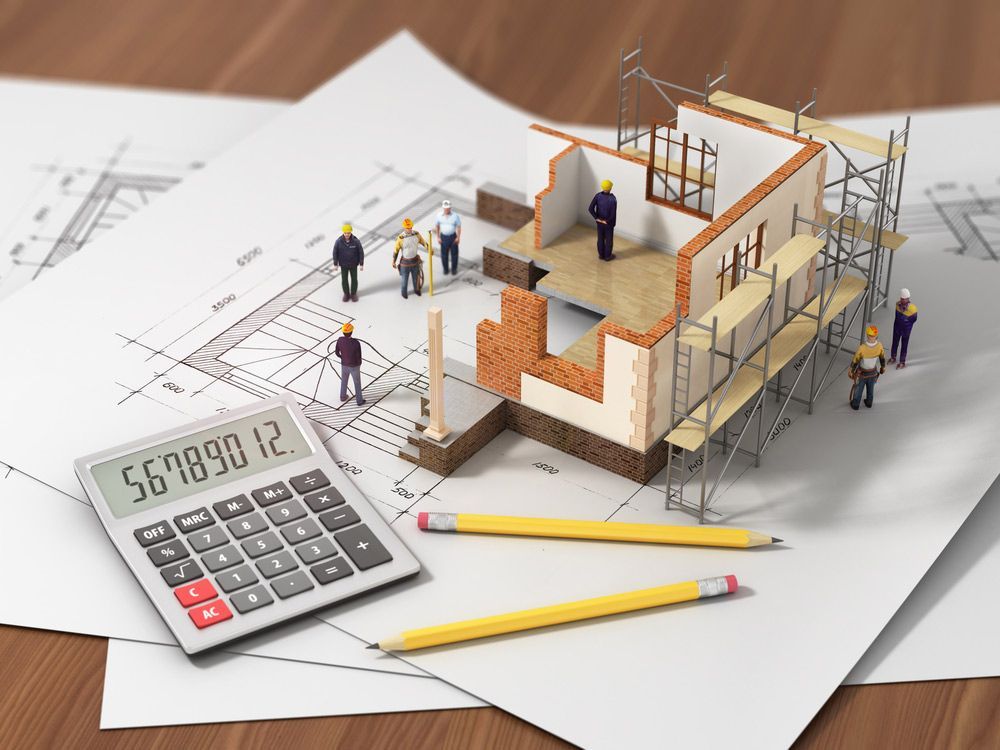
{"x": 155, "y": 532}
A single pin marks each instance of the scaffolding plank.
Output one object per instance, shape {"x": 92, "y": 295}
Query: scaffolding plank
{"x": 807, "y": 125}
{"x": 800, "y": 330}
{"x": 673, "y": 167}
{"x": 785, "y": 344}
{"x": 732, "y": 309}
{"x": 690, "y": 435}
{"x": 891, "y": 240}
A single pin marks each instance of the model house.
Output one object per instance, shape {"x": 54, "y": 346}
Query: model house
{"x": 727, "y": 270}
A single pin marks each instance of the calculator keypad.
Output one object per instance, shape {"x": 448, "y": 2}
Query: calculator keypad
{"x": 255, "y": 541}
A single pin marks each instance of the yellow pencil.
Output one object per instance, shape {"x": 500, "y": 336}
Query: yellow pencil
{"x": 584, "y": 609}
{"x": 709, "y": 536}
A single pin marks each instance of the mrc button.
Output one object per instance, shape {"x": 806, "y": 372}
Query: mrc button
{"x": 155, "y": 532}
{"x": 196, "y": 519}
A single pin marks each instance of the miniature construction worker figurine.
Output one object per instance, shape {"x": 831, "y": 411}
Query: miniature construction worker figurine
{"x": 408, "y": 243}
{"x": 348, "y": 351}
{"x": 604, "y": 209}
{"x": 348, "y": 256}
{"x": 448, "y": 229}
{"x": 906, "y": 316}
{"x": 867, "y": 365}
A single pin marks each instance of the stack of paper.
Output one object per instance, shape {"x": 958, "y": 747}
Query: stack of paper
{"x": 849, "y": 493}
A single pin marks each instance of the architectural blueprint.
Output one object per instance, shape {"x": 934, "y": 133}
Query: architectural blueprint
{"x": 185, "y": 328}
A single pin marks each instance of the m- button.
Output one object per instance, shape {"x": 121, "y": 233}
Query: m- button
{"x": 196, "y": 519}
{"x": 155, "y": 532}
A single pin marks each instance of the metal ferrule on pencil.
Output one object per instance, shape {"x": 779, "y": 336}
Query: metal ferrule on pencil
{"x": 442, "y": 521}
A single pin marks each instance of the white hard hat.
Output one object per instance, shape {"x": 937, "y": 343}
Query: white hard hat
{"x": 904, "y": 293}
{"x": 446, "y": 204}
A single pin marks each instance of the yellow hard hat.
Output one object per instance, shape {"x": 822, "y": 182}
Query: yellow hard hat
{"x": 407, "y": 223}
{"x": 346, "y": 228}
{"x": 607, "y": 184}
{"x": 348, "y": 328}
{"x": 871, "y": 331}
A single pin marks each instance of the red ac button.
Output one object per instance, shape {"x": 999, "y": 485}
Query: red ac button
{"x": 209, "y": 614}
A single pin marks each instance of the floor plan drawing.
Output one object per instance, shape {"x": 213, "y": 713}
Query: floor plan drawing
{"x": 78, "y": 199}
{"x": 969, "y": 213}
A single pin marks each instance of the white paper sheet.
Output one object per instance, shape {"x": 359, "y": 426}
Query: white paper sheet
{"x": 860, "y": 536}
{"x": 77, "y": 161}
{"x": 152, "y": 685}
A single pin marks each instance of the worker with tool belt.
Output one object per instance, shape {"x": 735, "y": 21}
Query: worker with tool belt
{"x": 868, "y": 363}
{"x": 409, "y": 265}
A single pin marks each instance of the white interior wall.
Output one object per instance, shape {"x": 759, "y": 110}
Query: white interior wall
{"x": 638, "y": 219}
{"x": 776, "y": 209}
{"x": 541, "y": 147}
{"x": 746, "y": 155}
{"x": 559, "y": 207}
{"x": 610, "y": 418}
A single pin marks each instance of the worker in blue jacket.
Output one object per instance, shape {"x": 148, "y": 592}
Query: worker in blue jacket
{"x": 604, "y": 209}
{"x": 906, "y": 316}
{"x": 348, "y": 256}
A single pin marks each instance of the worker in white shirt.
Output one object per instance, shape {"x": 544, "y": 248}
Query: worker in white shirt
{"x": 407, "y": 244}
{"x": 448, "y": 229}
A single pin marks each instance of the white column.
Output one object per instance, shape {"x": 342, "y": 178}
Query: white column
{"x": 436, "y": 430}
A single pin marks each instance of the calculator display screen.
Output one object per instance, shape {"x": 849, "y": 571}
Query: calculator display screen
{"x": 201, "y": 461}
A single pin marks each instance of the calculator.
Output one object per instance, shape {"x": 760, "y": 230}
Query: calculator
{"x": 240, "y": 521}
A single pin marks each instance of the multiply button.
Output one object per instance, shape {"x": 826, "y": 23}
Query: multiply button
{"x": 210, "y": 614}
{"x": 312, "y": 480}
{"x": 273, "y": 493}
{"x": 156, "y": 532}
{"x": 320, "y": 501}
{"x": 196, "y": 519}
{"x": 201, "y": 591}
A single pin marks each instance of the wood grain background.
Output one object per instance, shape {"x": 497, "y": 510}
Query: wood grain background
{"x": 560, "y": 59}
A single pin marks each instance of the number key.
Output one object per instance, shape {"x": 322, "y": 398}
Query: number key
{"x": 301, "y": 532}
{"x": 202, "y": 541}
{"x": 226, "y": 557}
{"x": 276, "y": 564}
{"x": 248, "y": 526}
{"x": 264, "y": 544}
{"x": 316, "y": 551}
{"x": 236, "y": 578}
{"x": 290, "y": 511}
{"x": 248, "y": 601}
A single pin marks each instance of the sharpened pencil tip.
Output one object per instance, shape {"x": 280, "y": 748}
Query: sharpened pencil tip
{"x": 775, "y": 540}
{"x": 374, "y": 645}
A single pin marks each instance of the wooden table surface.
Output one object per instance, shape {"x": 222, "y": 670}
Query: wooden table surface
{"x": 559, "y": 59}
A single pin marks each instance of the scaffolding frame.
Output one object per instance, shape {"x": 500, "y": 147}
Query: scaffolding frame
{"x": 852, "y": 247}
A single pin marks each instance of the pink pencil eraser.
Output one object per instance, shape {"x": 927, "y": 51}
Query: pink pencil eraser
{"x": 731, "y": 583}
{"x": 422, "y": 524}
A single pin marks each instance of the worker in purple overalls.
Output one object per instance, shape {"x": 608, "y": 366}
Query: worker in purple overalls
{"x": 348, "y": 351}
{"x": 906, "y": 316}
{"x": 604, "y": 209}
